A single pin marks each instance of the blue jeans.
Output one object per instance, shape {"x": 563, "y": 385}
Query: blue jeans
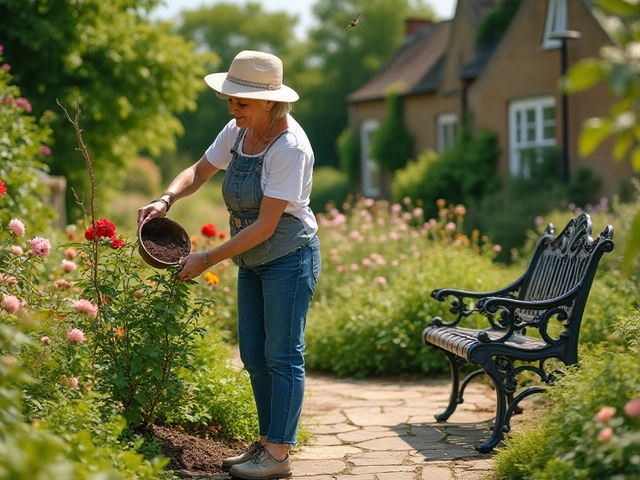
{"x": 273, "y": 301}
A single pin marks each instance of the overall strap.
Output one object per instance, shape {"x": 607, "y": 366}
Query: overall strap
{"x": 273, "y": 142}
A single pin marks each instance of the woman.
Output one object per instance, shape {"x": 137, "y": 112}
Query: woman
{"x": 268, "y": 161}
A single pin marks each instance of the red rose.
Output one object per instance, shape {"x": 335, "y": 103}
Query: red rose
{"x": 104, "y": 228}
{"x": 222, "y": 235}
{"x": 209, "y": 230}
{"x": 88, "y": 234}
{"x": 116, "y": 243}
{"x": 3, "y": 189}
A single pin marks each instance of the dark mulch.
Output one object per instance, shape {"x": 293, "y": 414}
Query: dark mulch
{"x": 192, "y": 456}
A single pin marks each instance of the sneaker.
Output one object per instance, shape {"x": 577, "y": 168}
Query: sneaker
{"x": 227, "y": 463}
{"x": 262, "y": 466}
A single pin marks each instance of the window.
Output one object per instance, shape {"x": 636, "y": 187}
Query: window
{"x": 447, "y": 127}
{"x": 371, "y": 174}
{"x": 532, "y": 133}
{"x": 556, "y": 22}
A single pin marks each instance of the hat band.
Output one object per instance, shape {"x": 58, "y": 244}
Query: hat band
{"x": 248, "y": 83}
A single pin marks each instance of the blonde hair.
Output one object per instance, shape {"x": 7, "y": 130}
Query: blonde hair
{"x": 279, "y": 109}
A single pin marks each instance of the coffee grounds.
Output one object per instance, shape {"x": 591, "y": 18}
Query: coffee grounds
{"x": 165, "y": 241}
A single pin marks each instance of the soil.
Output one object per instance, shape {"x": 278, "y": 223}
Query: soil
{"x": 165, "y": 240}
{"x": 195, "y": 457}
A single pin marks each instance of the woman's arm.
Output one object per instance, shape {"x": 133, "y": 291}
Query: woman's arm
{"x": 271, "y": 209}
{"x": 186, "y": 182}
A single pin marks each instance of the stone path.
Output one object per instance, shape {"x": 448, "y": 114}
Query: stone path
{"x": 385, "y": 430}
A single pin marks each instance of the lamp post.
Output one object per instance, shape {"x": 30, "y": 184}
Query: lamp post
{"x": 564, "y": 36}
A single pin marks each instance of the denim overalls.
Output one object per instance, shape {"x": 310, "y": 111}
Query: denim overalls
{"x": 276, "y": 282}
{"x": 242, "y": 193}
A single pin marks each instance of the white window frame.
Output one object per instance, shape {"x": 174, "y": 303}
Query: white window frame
{"x": 370, "y": 170}
{"x": 556, "y": 22}
{"x": 518, "y": 132}
{"x": 447, "y": 130}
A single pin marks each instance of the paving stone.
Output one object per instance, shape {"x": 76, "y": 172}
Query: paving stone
{"x": 310, "y": 468}
{"x": 374, "y": 416}
{"x": 355, "y": 477}
{"x": 326, "y": 440}
{"x": 364, "y": 434}
{"x": 437, "y": 472}
{"x": 322, "y": 453}
{"x": 378, "y": 469}
{"x": 378, "y": 458}
{"x": 333, "y": 429}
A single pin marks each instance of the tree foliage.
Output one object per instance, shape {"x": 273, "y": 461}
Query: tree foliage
{"x": 226, "y": 29}
{"x": 618, "y": 68}
{"x": 341, "y": 60}
{"x": 129, "y": 75}
{"x": 392, "y": 145}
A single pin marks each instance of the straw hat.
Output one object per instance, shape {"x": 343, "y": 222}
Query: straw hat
{"x": 255, "y": 75}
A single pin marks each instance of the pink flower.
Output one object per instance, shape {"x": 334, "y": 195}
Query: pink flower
{"x": 70, "y": 253}
{"x": 605, "y": 435}
{"x": 68, "y": 266}
{"x": 417, "y": 212}
{"x": 40, "y": 247}
{"x": 73, "y": 382}
{"x": 632, "y": 408}
{"x": 85, "y": 306}
{"x": 366, "y": 262}
{"x": 450, "y": 227}
{"x": 497, "y": 248}
{"x": 63, "y": 284}
{"x": 381, "y": 281}
{"x": 11, "y": 303}
{"x": 23, "y": 103}
{"x": 605, "y": 414}
{"x": 340, "y": 269}
{"x": 17, "y": 227}
{"x": 138, "y": 293}
{"x": 460, "y": 210}
{"x": 76, "y": 335}
{"x": 6, "y": 278}
{"x": 45, "y": 150}
{"x": 6, "y": 67}
{"x": 16, "y": 250}
{"x": 45, "y": 340}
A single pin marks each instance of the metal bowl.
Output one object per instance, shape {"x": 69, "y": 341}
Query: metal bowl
{"x": 163, "y": 232}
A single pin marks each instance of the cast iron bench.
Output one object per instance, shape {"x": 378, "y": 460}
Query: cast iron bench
{"x": 549, "y": 296}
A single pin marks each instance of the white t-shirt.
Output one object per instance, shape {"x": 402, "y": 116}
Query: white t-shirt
{"x": 287, "y": 169}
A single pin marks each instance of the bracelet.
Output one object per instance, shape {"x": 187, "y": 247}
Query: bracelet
{"x": 205, "y": 257}
{"x": 166, "y": 203}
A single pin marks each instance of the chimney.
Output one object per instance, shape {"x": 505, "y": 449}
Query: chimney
{"x": 412, "y": 25}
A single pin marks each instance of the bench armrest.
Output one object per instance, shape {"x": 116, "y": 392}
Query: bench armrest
{"x": 511, "y": 322}
{"x": 459, "y": 306}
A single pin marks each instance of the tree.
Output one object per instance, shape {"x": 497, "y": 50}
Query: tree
{"x": 226, "y": 29}
{"x": 130, "y": 77}
{"x": 341, "y": 60}
{"x": 392, "y": 145}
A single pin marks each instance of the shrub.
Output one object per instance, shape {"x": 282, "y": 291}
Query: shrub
{"x": 330, "y": 186}
{"x": 349, "y": 152}
{"x": 392, "y": 143}
{"x": 380, "y": 264}
{"x": 23, "y": 145}
{"x": 144, "y": 177}
{"x": 462, "y": 175}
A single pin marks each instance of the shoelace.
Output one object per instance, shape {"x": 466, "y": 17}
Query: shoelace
{"x": 258, "y": 455}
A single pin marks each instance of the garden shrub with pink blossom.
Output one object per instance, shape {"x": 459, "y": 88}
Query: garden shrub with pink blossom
{"x": 23, "y": 147}
{"x": 380, "y": 263}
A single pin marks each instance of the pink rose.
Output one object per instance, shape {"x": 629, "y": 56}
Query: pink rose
{"x": 11, "y": 303}
{"x": 17, "y": 227}
{"x": 70, "y": 253}
{"x": 68, "y": 266}
{"x": 605, "y": 414}
{"x": 40, "y": 247}
{"x": 45, "y": 340}
{"x": 632, "y": 408}
{"x": 76, "y": 335}
{"x": 16, "y": 250}
{"x": 605, "y": 435}
{"x": 450, "y": 227}
{"x": 85, "y": 306}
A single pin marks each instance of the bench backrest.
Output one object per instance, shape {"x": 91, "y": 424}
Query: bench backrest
{"x": 560, "y": 263}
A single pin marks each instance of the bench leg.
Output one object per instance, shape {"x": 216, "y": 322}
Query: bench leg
{"x": 455, "y": 386}
{"x": 501, "y": 408}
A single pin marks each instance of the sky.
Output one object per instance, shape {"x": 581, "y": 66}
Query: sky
{"x": 171, "y": 8}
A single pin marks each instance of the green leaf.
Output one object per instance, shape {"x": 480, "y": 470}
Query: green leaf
{"x": 619, "y": 7}
{"x": 620, "y": 79}
{"x": 594, "y": 132}
{"x": 623, "y": 143}
{"x": 583, "y": 75}
{"x": 633, "y": 244}
{"x": 635, "y": 159}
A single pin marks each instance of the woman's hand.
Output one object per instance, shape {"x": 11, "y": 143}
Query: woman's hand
{"x": 153, "y": 210}
{"x": 192, "y": 266}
